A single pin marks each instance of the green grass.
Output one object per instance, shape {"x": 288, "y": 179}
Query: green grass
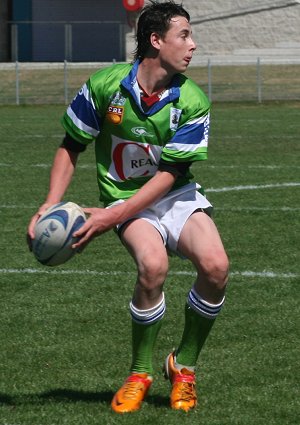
{"x": 228, "y": 83}
{"x": 65, "y": 332}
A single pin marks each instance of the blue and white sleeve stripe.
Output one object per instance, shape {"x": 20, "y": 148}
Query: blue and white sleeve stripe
{"x": 192, "y": 136}
{"x": 83, "y": 113}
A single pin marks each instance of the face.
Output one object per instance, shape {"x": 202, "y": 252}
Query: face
{"x": 177, "y": 46}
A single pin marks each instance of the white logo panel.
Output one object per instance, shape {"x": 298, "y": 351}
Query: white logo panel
{"x": 131, "y": 159}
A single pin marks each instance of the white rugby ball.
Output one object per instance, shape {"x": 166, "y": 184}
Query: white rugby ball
{"x": 54, "y": 233}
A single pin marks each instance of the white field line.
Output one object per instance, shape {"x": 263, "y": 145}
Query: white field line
{"x": 215, "y": 190}
{"x": 263, "y": 274}
{"x": 92, "y": 166}
{"x": 232, "y": 209}
{"x": 254, "y": 166}
{"x": 230, "y": 137}
{"x": 253, "y": 187}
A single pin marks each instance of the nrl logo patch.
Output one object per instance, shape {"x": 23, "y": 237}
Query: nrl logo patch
{"x": 174, "y": 118}
{"x": 115, "y": 110}
{"x": 114, "y": 114}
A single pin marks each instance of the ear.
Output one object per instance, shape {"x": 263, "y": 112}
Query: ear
{"x": 155, "y": 40}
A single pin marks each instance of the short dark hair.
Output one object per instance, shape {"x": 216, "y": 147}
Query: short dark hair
{"x": 155, "y": 17}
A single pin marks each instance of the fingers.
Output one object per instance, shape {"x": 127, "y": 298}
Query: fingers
{"x": 30, "y": 230}
{"x": 91, "y": 211}
{"x": 85, "y": 234}
{"x": 94, "y": 226}
{"x": 29, "y": 241}
{"x": 34, "y": 219}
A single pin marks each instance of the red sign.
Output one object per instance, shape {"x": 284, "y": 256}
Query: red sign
{"x": 133, "y": 5}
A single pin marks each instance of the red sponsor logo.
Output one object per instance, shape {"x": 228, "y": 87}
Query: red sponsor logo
{"x": 132, "y": 159}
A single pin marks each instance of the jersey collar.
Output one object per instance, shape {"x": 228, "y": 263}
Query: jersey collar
{"x": 130, "y": 83}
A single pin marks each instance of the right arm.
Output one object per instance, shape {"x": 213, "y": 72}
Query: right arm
{"x": 60, "y": 177}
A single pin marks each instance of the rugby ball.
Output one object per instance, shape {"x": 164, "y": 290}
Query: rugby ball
{"x": 52, "y": 244}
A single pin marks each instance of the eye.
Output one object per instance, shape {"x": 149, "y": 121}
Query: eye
{"x": 185, "y": 35}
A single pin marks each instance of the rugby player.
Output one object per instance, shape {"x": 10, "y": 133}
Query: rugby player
{"x": 149, "y": 124}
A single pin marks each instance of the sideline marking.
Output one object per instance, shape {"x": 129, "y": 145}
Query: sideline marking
{"x": 253, "y": 187}
{"x": 93, "y": 166}
{"x": 216, "y": 190}
{"x": 230, "y": 209}
{"x": 233, "y": 209}
{"x": 247, "y": 273}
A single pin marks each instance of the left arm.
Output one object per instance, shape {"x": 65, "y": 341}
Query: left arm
{"x": 103, "y": 219}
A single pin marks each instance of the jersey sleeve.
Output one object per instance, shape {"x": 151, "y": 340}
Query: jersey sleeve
{"x": 81, "y": 119}
{"x": 189, "y": 142}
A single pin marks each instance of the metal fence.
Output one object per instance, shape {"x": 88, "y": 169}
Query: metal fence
{"x": 57, "y": 83}
{"x": 53, "y": 41}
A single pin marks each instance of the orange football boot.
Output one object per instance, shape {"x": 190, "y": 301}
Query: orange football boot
{"x": 183, "y": 394}
{"x": 132, "y": 393}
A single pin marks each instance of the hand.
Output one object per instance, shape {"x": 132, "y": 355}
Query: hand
{"x": 30, "y": 231}
{"x": 100, "y": 221}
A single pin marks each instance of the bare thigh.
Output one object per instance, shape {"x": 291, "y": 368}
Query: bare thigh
{"x": 146, "y": 246}
{"x": 201, "y": 243}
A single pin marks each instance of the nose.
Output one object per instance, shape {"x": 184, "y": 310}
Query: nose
{"x": 193, "y": 45}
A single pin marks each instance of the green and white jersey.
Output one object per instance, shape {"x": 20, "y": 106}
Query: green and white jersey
{"x": 129, "y": 142}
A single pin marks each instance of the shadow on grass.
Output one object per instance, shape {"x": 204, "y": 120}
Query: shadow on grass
{"x": 72, "y": 396}
{"x": 57, "y": 396}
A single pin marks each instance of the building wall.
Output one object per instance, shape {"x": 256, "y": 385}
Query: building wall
{"x": 270, "y": 32}
{"x": 277, "y": 29}
{"x": 4, "y": 39}
{"x": 216, "y": 30}
{"x": 102, "y": 39}
{"x": 90, "y": 42}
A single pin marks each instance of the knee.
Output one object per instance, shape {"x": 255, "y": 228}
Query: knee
{"x": 215, "y": 270}
{"x": 152, "y": 272}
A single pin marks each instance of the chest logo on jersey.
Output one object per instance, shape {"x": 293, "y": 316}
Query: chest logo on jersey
{"x": 132, "y": 159}
{"x": 115, "y": 110}
{"x": 174, "y": 118}
{"x": 114, "y": 114}
{"x": 141, "y": 131}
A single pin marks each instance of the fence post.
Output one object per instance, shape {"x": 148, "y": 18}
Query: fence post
{"x": 66, "y": 82}
{"x": 258, "y": 79}
{"x": 17, "y": 84}
{"x": 68, "y": 42}
{"x": 209, "y": 79}
{"x": 14, "y": 43}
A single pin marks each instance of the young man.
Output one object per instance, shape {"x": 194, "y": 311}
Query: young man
{"x": 149, "y": 123}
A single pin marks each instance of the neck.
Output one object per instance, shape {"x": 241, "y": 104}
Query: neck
{"x": 152, "y": 77}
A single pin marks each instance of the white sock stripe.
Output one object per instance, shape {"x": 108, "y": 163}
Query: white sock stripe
{"x": 206, "y": 303}
{"x": 150, "y": 310}
{"x": 147, "y": 319}
{"x": 152, "y": 315}
{"x": 202, "y": 307}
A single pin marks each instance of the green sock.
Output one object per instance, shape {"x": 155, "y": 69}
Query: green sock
{"x": 196, "y": 330}
{"x": 143, "y": 341}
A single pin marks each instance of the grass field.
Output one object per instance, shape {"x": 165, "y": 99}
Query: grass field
{"x": 65, "y": 331}
{"x": 49, "y": 84}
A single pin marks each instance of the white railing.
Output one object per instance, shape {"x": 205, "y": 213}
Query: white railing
{"x": 57, "y": 83}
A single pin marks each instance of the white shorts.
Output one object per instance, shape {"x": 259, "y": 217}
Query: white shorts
{"x": 169, "y": 214}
